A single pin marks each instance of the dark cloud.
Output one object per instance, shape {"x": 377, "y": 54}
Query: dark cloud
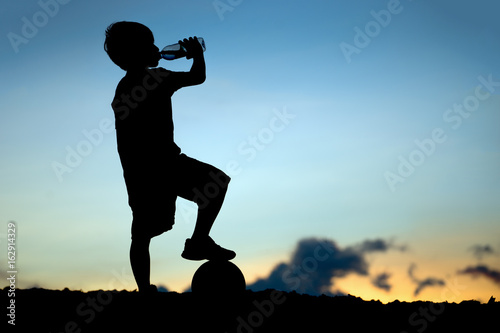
{"x": 421, "y": 284}
{"x": 382, "y": 281}
{"x": 316, "y": 262}
{"x": 378, "y": 245}
{"x": 480, "y": 251}
{"x": 162, "y": 288}
{"x": 482, "y": 270}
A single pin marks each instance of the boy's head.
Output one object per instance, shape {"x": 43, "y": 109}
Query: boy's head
{"x": 130, "y": 45}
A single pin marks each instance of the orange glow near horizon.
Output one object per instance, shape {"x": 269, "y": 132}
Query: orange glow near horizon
{"x": 457, "y": 287}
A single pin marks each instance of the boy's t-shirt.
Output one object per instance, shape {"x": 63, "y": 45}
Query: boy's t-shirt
{"x": 143, "y": 113}
{"x": 144, "y": 127}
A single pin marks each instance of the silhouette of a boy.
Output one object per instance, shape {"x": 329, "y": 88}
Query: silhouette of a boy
{"x": 155, "y": 170}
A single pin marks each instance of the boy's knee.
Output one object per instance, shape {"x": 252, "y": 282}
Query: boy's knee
{"x": 220, "y": 179}
{"x": 142, "y": 234}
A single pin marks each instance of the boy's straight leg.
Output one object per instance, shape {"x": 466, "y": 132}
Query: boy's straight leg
{"x": 141, "y": 262}
{"x": 152, "y": 217}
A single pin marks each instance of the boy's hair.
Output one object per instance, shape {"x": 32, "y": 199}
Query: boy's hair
{"x": 125, "y": 42}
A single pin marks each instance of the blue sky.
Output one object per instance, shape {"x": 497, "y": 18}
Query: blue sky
{"x": 308, "y": 133}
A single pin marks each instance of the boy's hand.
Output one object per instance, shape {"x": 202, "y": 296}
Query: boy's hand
{"x": 192, "y": 46}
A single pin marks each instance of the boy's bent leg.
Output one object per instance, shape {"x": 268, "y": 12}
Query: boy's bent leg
{"x": 209, "y": 204}
{"x": 201, "y": 246}
{"x": 207, "y": 187}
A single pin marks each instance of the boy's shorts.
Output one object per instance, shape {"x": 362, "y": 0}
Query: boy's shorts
{"x": 152, "y": 195}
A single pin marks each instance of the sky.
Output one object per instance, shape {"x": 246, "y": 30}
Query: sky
{"x": 361, "y": 138}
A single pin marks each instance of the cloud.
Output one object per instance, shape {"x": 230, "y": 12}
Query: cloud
{"x": 421, "y": 284}
{"x": 482, "y": 270}
{"x": 315, "y": 264}
{"x": 378, "y": 245}
{"x": 480, "y": 251}
{"x": 162, "y": 288}
{"x": 382, "y": 281}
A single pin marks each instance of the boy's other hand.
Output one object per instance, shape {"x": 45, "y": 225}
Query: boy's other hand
{"x": 192, "y": 46}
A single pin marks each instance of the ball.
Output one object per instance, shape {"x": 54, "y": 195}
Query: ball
{"x": 218, "y": 278}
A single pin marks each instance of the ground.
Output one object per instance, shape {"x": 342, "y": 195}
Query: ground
{"x": 41, "y": 310}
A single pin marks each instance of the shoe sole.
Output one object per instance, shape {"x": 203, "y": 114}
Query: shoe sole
{"x": 194, "y": 258}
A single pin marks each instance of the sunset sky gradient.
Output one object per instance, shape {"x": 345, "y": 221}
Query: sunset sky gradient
{"x": 371, "y": 126}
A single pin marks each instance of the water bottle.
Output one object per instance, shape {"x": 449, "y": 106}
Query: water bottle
{"x": 176, "y": 51}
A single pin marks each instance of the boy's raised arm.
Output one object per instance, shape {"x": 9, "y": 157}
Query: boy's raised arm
{"x": 197, "y": 74}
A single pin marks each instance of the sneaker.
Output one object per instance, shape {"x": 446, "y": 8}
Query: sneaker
{"x": 205, "y": 249}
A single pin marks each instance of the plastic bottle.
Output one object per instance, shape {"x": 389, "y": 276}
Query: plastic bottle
{"x": 176, "y": 51}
